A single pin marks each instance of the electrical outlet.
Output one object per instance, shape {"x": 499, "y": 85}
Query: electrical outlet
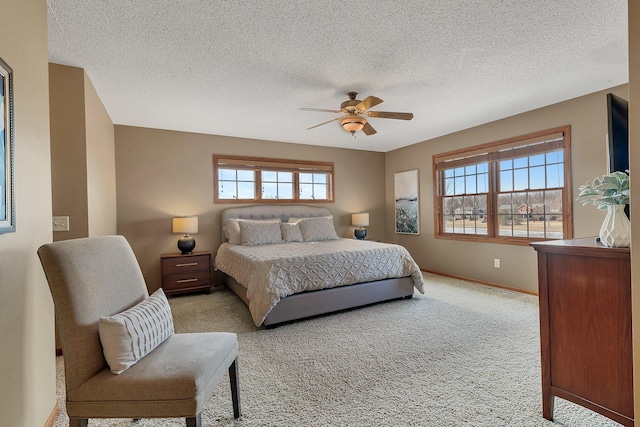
{"x": 496, "y": 262}
{"x": 60, "y": 223}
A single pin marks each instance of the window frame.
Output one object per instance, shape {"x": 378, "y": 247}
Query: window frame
{"x": 492, "y": 153}
{"x": 260, "y": 164}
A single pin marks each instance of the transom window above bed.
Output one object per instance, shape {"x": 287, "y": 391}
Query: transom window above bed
{"x": 239, "y": 179}
{"x": 511, "y": 191}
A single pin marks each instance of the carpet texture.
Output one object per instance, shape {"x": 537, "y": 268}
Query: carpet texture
{"x": 461, "y": 355}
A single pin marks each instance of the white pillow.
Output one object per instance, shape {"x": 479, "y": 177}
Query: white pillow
{"x": 291, "y": 232}
{"x": 129, "y": 336}
{"x": 317, "y": 229}
{"x": 260, "y": 233}
{"x": 232, "y": 231}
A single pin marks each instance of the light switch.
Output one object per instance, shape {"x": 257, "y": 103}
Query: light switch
{"x": 60, "y": 223}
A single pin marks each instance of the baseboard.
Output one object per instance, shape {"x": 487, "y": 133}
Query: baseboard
{"x": 482, "y": 282}
{"x": 52, "y": 417}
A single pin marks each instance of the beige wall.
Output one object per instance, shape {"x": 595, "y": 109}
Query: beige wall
{"x": 68, "y": 149}
{"x": 162, "y": 174}
{"x": 27, "y": 363}
{"x": 101, "y": 164}
{"x": 82, "y": 155}
{"x": 587, "y": 116}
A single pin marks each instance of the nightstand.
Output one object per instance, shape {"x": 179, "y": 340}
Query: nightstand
{"x": 186, "y": 273}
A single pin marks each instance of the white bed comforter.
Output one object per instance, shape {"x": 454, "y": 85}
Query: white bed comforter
{"x": 272, "y": 272}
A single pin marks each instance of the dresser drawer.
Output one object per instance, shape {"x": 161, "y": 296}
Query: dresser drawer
{"x": 182, "y": 264}
{"x": 185, "y": 280}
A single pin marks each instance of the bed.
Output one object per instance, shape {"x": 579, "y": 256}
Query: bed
{"x": 282, "y": 274}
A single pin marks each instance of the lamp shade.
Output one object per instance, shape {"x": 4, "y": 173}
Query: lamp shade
{"x": 353, "y": 123}
{"x": 360, "y": 219}
{"x": 185, "y": 225}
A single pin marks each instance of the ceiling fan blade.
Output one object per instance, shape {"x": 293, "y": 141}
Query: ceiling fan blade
{"x": 368, "y": 129}
{"x": 320, "y": 109}
{"x": 324, "y": 123}
{"x": 389, "y": 115}
{"x": 368, "y": 102}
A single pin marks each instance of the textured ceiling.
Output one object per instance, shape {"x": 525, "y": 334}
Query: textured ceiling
{"x": 245, "y": 68}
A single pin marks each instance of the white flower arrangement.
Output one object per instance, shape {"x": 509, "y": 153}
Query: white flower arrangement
{"x": 611, "y": 189}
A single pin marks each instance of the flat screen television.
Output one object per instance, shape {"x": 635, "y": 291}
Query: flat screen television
{"x": 618, "y": 136}
{"x": 618, "y": 133}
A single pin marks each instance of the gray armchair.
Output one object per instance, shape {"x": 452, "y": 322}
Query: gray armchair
{"x": 99, "y": 276}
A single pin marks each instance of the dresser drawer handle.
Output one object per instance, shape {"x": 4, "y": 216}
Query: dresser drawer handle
{"x": 186, "y": 280}
{"x": 188, "y": 264}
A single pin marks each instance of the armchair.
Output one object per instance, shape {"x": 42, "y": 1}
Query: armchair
{"x": 95, "y": 277}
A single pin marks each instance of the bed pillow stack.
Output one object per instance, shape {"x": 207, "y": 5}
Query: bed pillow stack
{"x": 271, "y": 231}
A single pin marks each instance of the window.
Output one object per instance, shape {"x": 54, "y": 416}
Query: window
{"x": 251, "y": 179}
{"x": 277, "y": 185}
{"x": 314, "y": 186}
{"x": 511, "y": 191}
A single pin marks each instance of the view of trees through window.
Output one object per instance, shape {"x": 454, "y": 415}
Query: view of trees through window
{"x": 511, "y": 190}
{"x": 241, "y": 179}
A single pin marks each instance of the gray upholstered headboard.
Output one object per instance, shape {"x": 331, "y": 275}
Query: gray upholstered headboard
{"x": 284, "y": 212}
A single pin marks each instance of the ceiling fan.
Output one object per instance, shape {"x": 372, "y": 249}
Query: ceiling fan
{"x": 354, "y": 111}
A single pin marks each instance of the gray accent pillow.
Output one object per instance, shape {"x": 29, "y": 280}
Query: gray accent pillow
{"x": 232, "y": 229}
{"x": 260, "y": 233}
{"x": 291, "y": 232}
{"x": 318, "y": 229}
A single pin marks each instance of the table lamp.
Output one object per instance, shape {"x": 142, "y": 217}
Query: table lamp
{"x": 186, "y": 225}
{"x": 360, "y": 220}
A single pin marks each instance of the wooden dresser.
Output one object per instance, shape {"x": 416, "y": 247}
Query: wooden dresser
{"x": 186, "y": 273}
{"x": 585, "y": 326}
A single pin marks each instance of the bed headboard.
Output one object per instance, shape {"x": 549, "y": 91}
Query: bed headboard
{"x": 284, "y": 212}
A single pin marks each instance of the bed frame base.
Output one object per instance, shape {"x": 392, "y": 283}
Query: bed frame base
{"x": 314, "y": 303}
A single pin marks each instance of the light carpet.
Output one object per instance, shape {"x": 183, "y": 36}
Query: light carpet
{"x": 463, "y": 354}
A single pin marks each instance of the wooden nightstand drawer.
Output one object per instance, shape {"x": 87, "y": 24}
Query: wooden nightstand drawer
{"x": 175, "y": 281}
{"x": 182, "y": 264}
{"x": 186, "y": 273}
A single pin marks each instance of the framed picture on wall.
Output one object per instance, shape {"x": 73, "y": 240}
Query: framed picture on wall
{"x": 407, "y": 205}
{"x": 7, "y": 196}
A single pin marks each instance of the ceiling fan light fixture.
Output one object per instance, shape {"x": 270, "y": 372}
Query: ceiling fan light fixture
{"x": 353, "y": 124}
{"x": 354, "y": 111}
